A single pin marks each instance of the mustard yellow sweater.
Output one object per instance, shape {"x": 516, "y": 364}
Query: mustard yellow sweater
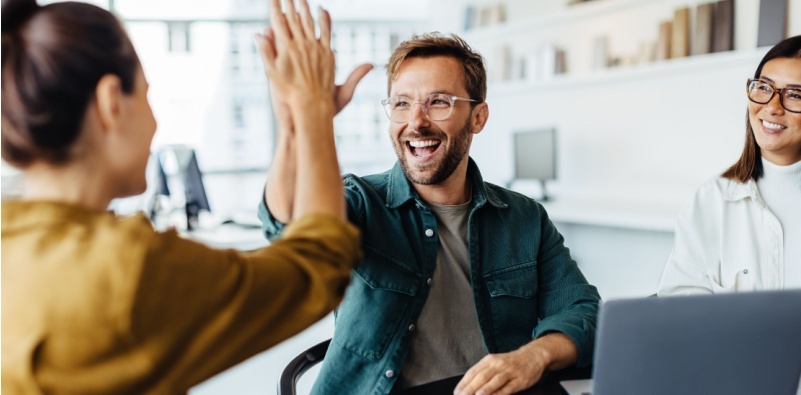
{"x": 93, "y": 303}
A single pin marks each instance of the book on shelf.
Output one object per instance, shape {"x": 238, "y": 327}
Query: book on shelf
{"x": 680, "y": 39}
{"x": 497, "y": 14}
{"x": 702, "y": 37}
{"x": 561, "y": 61}
{"x": 772, "y": 22}
{"x": 544, "y": 63}
{"x": 723, "y": 32}
{"x": 663, "y": 41}
{"x": 547, "y": 56}
{"x": 600, "y": 53}
{"x": 469, "y": 17}
{"x": 518, "y": 69}
{"x": 501, "y": 63}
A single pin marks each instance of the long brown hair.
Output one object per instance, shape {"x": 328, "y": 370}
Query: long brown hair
{"x": 749, "y": 166}
{"x": 53, "y": 57}
{"x": 437, "y": 44}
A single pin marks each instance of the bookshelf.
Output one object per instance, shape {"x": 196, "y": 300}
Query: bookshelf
{"x": 604, "y": 106}
{"x": 628, "y": 28}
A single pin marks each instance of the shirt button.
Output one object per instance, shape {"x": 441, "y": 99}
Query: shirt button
{"x": 411, "y": 328}
{"x": 429, "y": 232}
{"x": 428, "y": 281}
{"x": 745, "y": 271}
{"x": 389, "y": 374}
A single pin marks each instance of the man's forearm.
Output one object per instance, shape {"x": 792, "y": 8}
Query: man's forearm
{"x": 556, "y": 350}
{"x": 279, "y": 192}
{"x": 319, "y": 184}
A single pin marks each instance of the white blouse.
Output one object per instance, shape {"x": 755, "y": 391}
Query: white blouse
{"x": 726, "y": 240}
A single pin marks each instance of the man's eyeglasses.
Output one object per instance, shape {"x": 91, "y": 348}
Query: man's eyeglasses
{"x": 761, "y": 92}
{"x": 436, "y": 107}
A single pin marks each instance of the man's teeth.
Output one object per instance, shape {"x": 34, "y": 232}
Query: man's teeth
{"x": 424, "y": 143}
{"x": 774, "y": 126}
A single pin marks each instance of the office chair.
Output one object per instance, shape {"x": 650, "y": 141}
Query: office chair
{"x": 299, "y": 365}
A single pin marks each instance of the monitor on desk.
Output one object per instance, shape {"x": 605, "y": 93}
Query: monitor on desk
{"x": 535, "y": 156}
{"x": 183, "y": 161}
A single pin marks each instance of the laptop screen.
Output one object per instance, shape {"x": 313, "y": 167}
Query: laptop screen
{"x": 747, "y": 343}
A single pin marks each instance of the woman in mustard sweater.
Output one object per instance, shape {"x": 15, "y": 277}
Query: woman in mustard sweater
{"x": 97, "y": 304}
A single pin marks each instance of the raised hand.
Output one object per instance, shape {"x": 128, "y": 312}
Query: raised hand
{"x": 300, "y": 66}
{"x": 343, "y": 93}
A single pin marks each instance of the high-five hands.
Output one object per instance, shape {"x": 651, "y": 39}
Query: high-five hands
{"x": 292, "y": 33}
{"x": 299, "y": 65}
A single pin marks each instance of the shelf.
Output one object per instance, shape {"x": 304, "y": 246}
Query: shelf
{"x": 713, "y": 61}
{"x": 570, "y": 14}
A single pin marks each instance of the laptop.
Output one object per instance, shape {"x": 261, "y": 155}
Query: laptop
{"x": 745, "y": 343}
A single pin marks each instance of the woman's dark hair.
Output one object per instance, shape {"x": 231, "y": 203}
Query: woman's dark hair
{"x": 52, "y": 59}
{"x": 749, "y": 166}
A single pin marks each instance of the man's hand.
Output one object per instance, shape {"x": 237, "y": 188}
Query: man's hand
{"x": 343, "y": 93}
{"x": 507, "y": 373}
{"x": 300, "y": 65}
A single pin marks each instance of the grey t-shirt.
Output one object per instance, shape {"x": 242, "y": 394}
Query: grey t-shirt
{"x": 446, "y": 340}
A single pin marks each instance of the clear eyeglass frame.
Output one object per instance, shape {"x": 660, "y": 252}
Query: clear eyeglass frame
{"x": 403, "y": 114}
{"x": 791, "y": 94}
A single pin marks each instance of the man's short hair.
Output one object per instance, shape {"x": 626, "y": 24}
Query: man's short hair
{"x": 437, "y": 44}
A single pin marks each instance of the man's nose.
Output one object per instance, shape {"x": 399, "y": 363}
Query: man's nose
{"x": 417, "y": 117}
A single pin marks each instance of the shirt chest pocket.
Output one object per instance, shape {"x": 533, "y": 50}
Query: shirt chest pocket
{"x": 378, "y": 298}
{"x": 513, "y": 302}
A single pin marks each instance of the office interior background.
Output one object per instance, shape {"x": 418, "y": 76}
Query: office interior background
{"x": 636, "y": 131}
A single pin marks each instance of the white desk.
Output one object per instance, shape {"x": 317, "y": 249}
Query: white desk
{"x": 629, "y": 214}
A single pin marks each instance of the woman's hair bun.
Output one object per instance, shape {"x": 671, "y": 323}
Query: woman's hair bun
{"x": 16, "y": 12}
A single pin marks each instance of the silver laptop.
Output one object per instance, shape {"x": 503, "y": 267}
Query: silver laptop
{"x": 746, "y": 343}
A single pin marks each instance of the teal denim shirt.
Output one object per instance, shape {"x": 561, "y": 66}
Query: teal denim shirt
{"x": 524, "y": 282}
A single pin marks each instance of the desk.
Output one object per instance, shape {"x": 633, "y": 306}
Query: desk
{"x": 548, "y": 385}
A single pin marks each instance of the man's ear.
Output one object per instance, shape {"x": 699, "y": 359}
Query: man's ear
{"x": 108, "y": 100}
{"x": 479, "y": 118}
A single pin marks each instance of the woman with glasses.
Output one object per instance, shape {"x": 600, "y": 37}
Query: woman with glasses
{"x": 97, "y": 304}
{"x": 742, "y": 231}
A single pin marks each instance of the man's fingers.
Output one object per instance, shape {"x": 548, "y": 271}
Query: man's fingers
{"x": 474, "y": 379}
{"x": 306, "y": 20}
{"x": 356, "y": 75}
{"x": 344, "y": 92}
{"x": 325, "y": 27}
{"x": 265, "y": 43}
{"x": 492, "y": 384}
{"x": 293, "y": 19}
{"x": 278, "y": 21}
{"x": 465, "y": 381}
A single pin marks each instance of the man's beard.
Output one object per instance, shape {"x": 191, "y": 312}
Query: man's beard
{"x": 444, "y": 168}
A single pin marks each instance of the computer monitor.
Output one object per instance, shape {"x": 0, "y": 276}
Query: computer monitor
{"x": 162, "y": 188}
{"x": 535, "y": 156}
{"x": 182, "y": 162}
{"x": 194, "y": 191}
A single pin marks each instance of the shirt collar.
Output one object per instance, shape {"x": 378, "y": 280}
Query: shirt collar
{"x": 400, "y": 190}
{"x": 736, "y": 190}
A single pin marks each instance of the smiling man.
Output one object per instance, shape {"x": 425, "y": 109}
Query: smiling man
{"x": 460, "y": 276}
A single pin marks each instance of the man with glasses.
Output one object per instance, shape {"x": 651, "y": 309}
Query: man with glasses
{"x": 459, "y": 276}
